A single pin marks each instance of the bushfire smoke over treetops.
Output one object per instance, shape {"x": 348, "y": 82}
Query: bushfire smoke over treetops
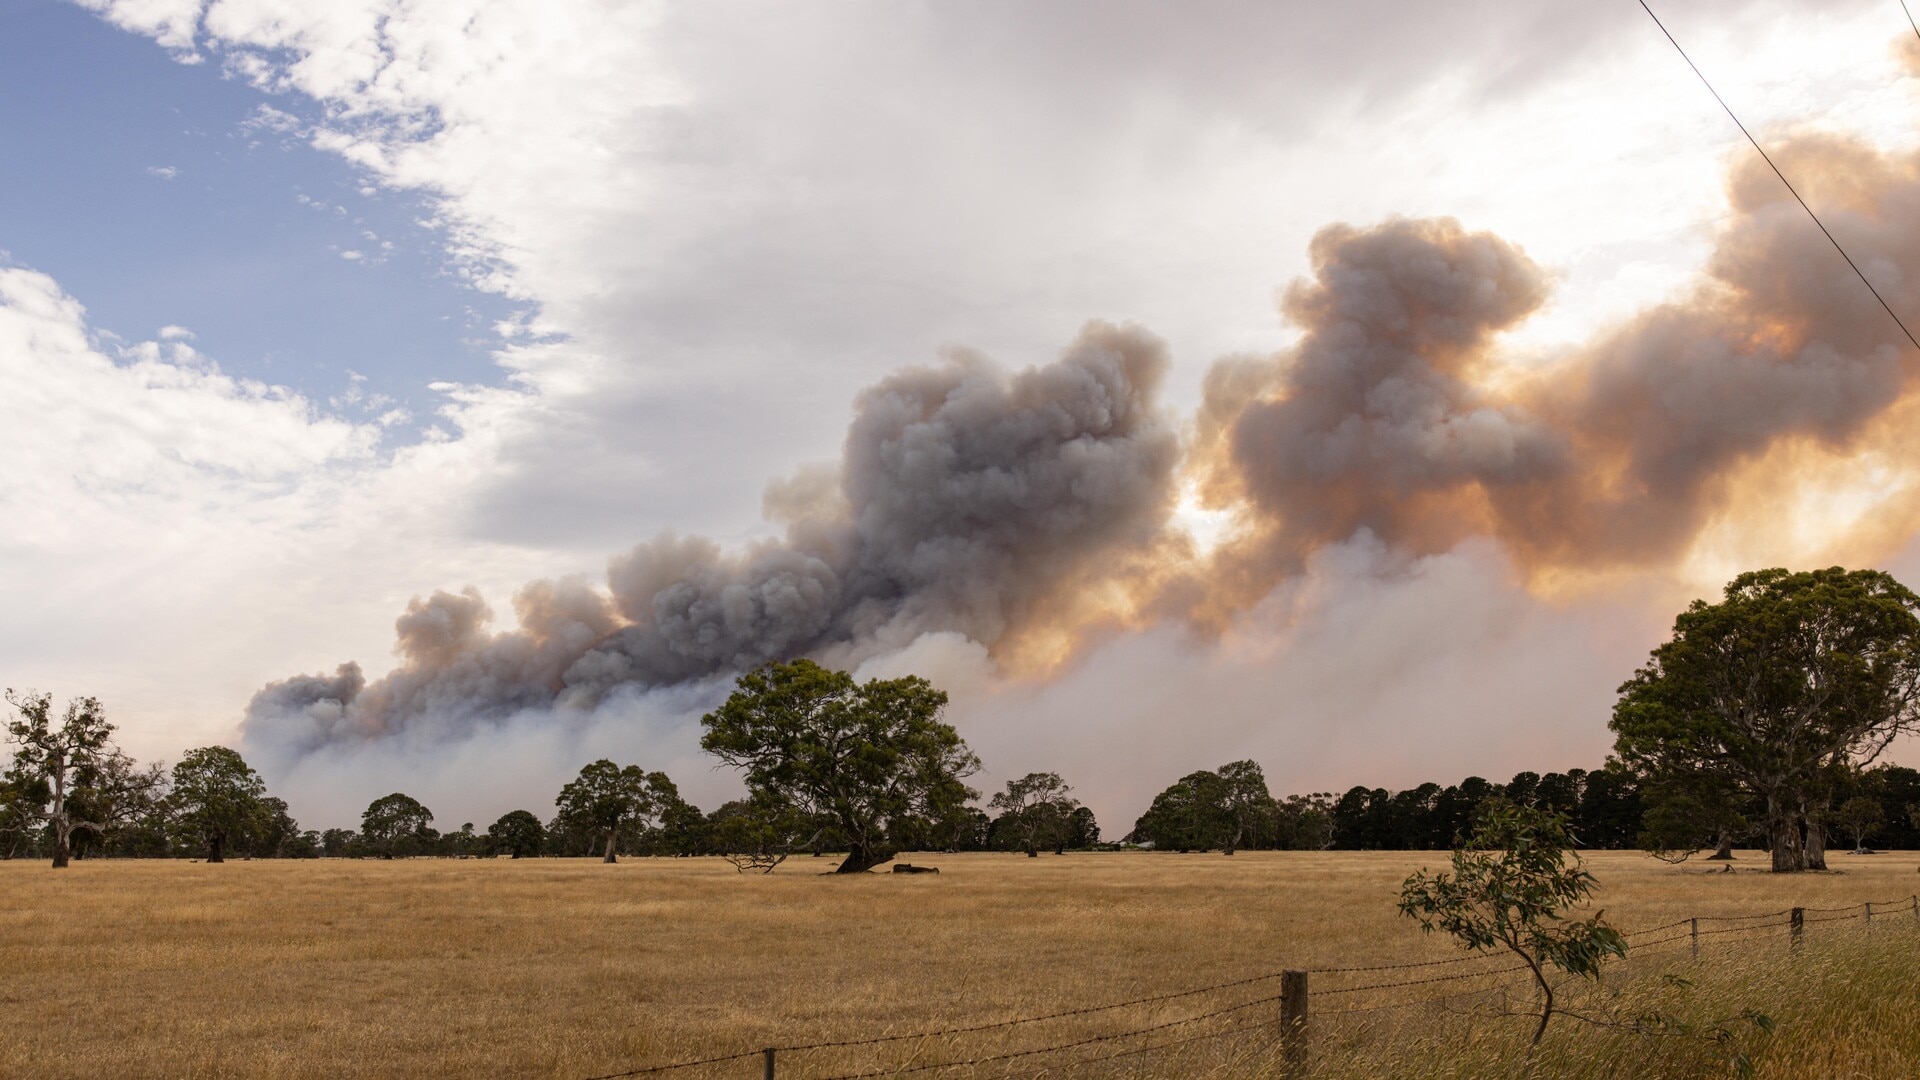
{"x": 967, "y": 500}
{"x": 1396, "y": 415}
{"x": 1029, "y": 510}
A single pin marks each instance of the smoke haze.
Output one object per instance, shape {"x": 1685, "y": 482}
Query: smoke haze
{"x": 968, "y": 501}
{"x": 1402, "y": 494}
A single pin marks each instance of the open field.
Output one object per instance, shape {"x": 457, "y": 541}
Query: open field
{"x": 572, "y": 968}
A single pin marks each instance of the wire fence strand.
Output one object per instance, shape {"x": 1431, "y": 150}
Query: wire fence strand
{"x": 1089, "y": 1041}
{"x": 1743, "y": 924}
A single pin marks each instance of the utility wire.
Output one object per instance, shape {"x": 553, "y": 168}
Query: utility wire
{"x": 1781, "y": 175}
{"x": 1910, "y": 22}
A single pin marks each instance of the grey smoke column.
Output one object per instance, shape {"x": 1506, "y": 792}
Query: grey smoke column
{"x": 975, "y": 501}
{"x": 1375, "y": 413}
{"x": 1394, "y": 415}
{"x": 966, "y": 497}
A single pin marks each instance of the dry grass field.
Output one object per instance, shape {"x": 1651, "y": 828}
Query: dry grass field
{"x": 569, "y": 968}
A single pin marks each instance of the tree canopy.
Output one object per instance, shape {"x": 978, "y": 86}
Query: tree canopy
{"x": 396, "y": 824}
{"x": 54, "y": 761}
{"x": 1788, "y": 685}
{"x": 518, "y": 832}
{"x": 216, "y": 794}
{"x": 1037, "y": 811}
{"x": 862, "y": 759}
{"x": 1510, "y": 886}
{"x": 1212, "y": 809}
{"x": 611, "y": 802}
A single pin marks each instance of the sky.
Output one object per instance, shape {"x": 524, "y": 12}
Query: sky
{"x": 744, "y": 331}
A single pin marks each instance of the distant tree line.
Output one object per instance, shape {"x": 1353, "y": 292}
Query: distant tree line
{"x": 1761, "y": 719}
{"x": 1230, "y": 809}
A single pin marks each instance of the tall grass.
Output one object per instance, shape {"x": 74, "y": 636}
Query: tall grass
{"x": 572, "y": 968}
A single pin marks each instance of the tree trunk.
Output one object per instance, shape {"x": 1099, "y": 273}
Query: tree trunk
{"x": 1233, "y": 839}
{"x": 1723, "y": 850}
{"x": 613, "y": 837}
{"x": 1816, "y": 846}
{"x": 1033, "y": 851}
{"x": 61, "y": 826}
{"x": 216, "y": 847}
{"x": 861, "y": 859}
{"x": 1783, "y": 837}
{"x": 1546, "y": 1010}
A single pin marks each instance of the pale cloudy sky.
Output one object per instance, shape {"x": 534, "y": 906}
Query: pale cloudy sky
{"x": 308, "y": 309}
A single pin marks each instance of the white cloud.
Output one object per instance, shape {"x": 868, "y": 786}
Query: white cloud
{"x": 176, "y": 536}
{"x": 164, "y": 172}
{"x": 266, "y": 118}
{"x": 171, "y": 23}
{"x": 724, "y": 220}
{"x": 738, "y": 221}
{"x": 171, "y": 332}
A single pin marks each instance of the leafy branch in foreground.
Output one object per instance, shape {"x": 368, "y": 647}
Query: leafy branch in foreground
{"x": 1726, "y": 1033}
{"x": 1509, "y": 885}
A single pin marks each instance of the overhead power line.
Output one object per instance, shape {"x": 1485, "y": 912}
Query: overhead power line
{"x": 1910, "y": 22}
{"x": 1783, "y": 176}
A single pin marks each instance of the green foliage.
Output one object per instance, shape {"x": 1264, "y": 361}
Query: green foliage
{"x": 682, "y": 828}
{"x": 1509, "y": 888}
{"x": 1227, "y": 809}
{"x": 1685, "y": 814}
{"x": 1189, "y": 815}
{"x": 758, "y": 833}
{"x": 1304, "y": 822}
{"x": 126, "y": 801}
{"x": 518, "y": 833}
{"x": 217, "y": 795}
{"x": 1083, "y": 830}
{"x": 1780, "y": 691}
{"x": 1035, "y": 811}
{"x": 396, "y": 824}
{"x": 612, "y": 803}
{"x": 54, "y": 760}
{"x": 269, "y": 831}
{"x": 1860, "y": 816}
{"x": 861, "y": 759}
{"x": 1246, "y": 807}
{"x": 301, "y": 845}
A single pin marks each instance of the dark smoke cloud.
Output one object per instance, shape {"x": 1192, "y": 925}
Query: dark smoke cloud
{"x": 1377, "y": 407}
{"x": 1010, "y": 510}
{"x": 1394, "y": 417}
{"x": 967, "y": 500}
{"x": 1780, "y": 344}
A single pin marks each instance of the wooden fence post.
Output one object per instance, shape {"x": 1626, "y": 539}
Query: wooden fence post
{"x": 1694, "y": 929}
{"x": 769, "y": 1059}
{"x": 1869, "y": 913}
{"x": 1796, "y": 926}
{"x": 1293, "y": 1022}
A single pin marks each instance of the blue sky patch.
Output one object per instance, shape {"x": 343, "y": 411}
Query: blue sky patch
{"x": 185, "y": 204}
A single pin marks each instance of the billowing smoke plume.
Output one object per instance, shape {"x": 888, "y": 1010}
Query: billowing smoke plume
{"x": 1396, "y": 415}
{"x": 1374, "y": 421}
{"x": 968, "y": 500}
{"x": 1017, "y": 512}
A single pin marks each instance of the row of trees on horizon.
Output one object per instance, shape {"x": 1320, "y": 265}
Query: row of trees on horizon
{"x": 212, "y": 805}
{"x": 1762, "y": 717}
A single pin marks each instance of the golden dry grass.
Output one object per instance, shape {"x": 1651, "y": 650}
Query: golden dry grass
{"x": 572, "y": 968}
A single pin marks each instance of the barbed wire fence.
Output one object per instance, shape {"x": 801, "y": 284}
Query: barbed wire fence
{"x": 1291, "y": 994}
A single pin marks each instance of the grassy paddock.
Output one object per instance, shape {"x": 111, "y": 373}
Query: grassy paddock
{"x": 572, "y": 968}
